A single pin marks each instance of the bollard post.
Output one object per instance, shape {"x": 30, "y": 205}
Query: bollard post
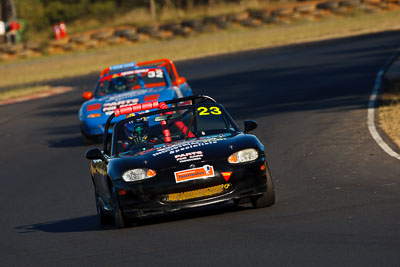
{"x": 57, "y": 32}
{"x": 63, "y": 30}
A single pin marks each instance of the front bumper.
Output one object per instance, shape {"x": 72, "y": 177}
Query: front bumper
{"x": 152, "y": 196}
{"x": 92, "y": 127}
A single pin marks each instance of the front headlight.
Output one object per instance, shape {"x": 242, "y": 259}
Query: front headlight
{"x": 94, "y": 115}
{"x": 244, "y": 155}
{"x": 138, "y": 174}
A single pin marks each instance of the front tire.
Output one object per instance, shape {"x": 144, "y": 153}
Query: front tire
{"x": 119, "y": 218}
{"x": 103, "y": 218}
{"x": 268, "y": 198}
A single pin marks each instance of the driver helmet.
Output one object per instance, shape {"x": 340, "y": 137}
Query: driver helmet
{"x": 137, "y": 129}
{"x": 119, "y": 83}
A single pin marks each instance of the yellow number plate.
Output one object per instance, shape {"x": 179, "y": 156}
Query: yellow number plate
{"x": 204, "y": 192}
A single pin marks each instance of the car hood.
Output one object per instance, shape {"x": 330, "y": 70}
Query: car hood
{"x": 184, "y": 152}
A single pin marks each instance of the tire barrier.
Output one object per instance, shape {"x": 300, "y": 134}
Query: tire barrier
{"x": 305, "y": 9}
{"x": 220, "y": 22}
{"x": 349, "y": 3}
{"x": 328, "y": 5}
{"x": 252, "y": 18}
{"x": 196, "y": 25}
{"x": 80, "y": 39}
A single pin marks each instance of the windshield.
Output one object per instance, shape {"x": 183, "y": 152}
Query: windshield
{"x": 134, "y": 135}
{"x": 131, "y": 80}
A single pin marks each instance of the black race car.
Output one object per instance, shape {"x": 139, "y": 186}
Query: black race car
{"x": 177, "y": 154}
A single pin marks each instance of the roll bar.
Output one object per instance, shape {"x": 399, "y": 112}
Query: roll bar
{"x": 163, "y": 62}
{"x": 161, "y": 106}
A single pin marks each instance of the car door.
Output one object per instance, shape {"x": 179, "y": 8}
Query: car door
{"x": 100, "y": 181}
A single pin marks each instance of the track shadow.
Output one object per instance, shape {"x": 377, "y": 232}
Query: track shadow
{"x": 59, "y": 139}
{"x": 60, "y": 113}
{"x": 285, "y": 90}
{"x": 62, "y": 108}
{"x": 62, "y": 130}
{"x": 278, "y": 80}
{"x": 390, "y": 89}
{"x": 75, "y": 141}
{"x": 80, "y": 224}
{"x": 91, "y": 223}
{"x": 194, "y": 213}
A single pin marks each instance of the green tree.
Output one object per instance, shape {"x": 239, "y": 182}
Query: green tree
{"x": 33, "y": 12}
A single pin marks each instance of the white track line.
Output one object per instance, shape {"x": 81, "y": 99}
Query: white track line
{"x": 371, "y": 110}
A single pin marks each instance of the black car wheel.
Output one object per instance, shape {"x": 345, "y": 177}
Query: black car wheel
{"x": 103, "y": 218}
{"x": 268, "y": 198}
{"x": 119, "y": 219}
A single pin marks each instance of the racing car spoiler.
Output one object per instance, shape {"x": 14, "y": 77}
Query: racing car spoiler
{"x": 153, "y": 105}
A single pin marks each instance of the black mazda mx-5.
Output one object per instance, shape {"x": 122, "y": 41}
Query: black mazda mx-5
{"x": 181, "y": 153}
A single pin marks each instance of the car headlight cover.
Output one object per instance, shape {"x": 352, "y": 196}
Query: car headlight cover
{"x": 138, "y": 174}
{"x": 244, "y": 155}
{"x": 94, "y": 115}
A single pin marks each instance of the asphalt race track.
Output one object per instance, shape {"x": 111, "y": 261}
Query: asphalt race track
{"x": 338, "y": 193}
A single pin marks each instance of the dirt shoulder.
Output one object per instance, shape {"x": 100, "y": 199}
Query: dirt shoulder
{"x": 389, "y": 108}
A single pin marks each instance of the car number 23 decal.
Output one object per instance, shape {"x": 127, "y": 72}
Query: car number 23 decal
{"x": 209, "y": 111}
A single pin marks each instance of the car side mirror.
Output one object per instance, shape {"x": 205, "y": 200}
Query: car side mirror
{"x": 180, "y": 80}
{"x": 94, "y": 153}
{"x": 249, "y": 125}
{"x": 87, "y": 95}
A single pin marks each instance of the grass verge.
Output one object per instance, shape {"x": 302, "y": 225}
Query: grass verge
{"x": 22, "y": 92}
{"x": 389, "y": 114}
